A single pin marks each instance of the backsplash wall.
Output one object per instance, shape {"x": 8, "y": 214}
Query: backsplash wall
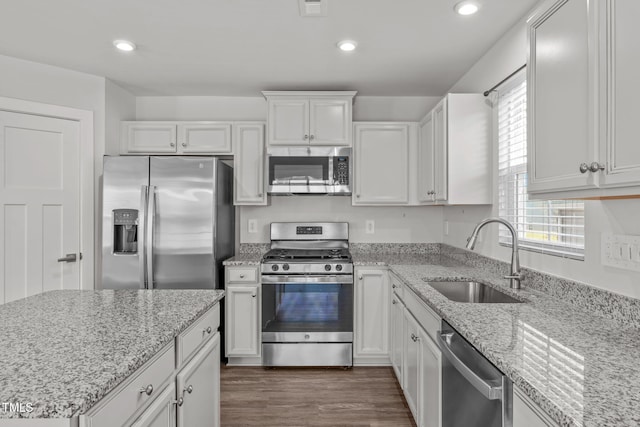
{"x": 419, "y": 224}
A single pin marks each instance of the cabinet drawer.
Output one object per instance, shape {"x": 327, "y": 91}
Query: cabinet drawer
{"x": 203, "y": 329}
{"x": 127, "y": 399}
{"x": 423, "y": 314}
{"x": 242, "y": 275}
{"x": 397, "y": 286}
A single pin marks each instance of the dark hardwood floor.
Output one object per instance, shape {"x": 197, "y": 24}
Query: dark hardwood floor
{"x": 360, "y": 396}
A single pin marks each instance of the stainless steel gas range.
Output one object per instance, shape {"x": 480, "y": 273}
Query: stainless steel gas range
{"x": 307, "y": 296}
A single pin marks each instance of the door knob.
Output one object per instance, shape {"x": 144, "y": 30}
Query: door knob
{"x": 68, "y": 258}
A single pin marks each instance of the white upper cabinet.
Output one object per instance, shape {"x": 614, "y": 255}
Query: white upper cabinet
{"x": 175, "y": 138}
{"x": 249, "y": 165}
{"x": 454, "y": 152}
{"x": 381, "y": 153}
{"x": 582, "y": 99}
{"x": 309, "y": 118}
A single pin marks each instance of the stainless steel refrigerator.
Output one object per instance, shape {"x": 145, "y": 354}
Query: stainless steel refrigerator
{"x": 167, "y": 222}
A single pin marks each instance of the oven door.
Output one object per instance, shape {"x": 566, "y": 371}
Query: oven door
{"x": 307, "y": 309}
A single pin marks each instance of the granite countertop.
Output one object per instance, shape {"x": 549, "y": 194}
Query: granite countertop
{"x": 62, "y": 351}
{"x": 243, "y": 259}
{"x": 580, "y": 368}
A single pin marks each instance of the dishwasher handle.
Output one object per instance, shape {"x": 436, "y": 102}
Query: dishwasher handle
{"x": 491, "y": 392}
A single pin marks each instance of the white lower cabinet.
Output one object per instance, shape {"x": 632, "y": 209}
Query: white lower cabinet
{"x": 243, "y": 344}
{"x": 371, "y": 317}
{"x": 198, "y": 385}
{"x": 161, "y": 413}
{"x": 528, "y": 414}
{"x": 415, "y": 357}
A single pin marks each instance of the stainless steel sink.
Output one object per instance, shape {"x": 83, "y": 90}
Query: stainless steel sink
{"x": 472, "y": 292}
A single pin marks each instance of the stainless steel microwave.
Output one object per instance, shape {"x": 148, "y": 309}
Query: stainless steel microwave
{"x": 310, "y": 170}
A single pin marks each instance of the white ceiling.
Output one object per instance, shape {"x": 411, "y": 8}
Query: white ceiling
{"x": 240, "y": 47}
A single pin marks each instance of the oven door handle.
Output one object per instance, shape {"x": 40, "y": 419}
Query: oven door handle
{"x": 346, "y": 279}
{"x": 489, "y": 391}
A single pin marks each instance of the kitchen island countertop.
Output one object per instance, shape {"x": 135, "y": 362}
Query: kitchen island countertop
{"x": 62, "y": 351}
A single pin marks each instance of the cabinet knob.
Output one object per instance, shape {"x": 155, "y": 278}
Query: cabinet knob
{"x": 357, "y": 196}
{"x": 359, "y": 277}
{"x": 595, "y": 167}
{"x": 311, "y": 137}
{"x": 207, "y": 331}
{"x": 189, "y": 389}
{"x": 253, "y": 295}
{"x": 584, "y": 168}
{"x": 184, "y": 144}
{"x": 259, "y": 194}
{"x": 414, "y": 337}
{"x": 147, "y": 390}
{"x": 242, "y": 276}
{"x": 172, "y": 144}
{"x": 393, "y": 286}
{"x": 306, "y": 137}
{"x": 394, "y": 302}
{"x": 179, "y": 402}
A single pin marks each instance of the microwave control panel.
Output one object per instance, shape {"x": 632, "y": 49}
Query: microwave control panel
{"x": 341, "y": 170}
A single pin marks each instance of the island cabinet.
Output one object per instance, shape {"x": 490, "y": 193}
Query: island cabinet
{"x": 371, "y": 317}
{"x": 309, "y": 118}
{"x": 179, "y": 386}
{"x": 415, "y": 356}
{"x": 582, "y": 103}
{"x": 243, "y": 343}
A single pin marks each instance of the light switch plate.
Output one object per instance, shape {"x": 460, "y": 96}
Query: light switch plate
{"x": 446, "y": 228}
{"x": 621, "y": 251}
{"x": 252, "y": 226}
{"x": 370, "y": 226}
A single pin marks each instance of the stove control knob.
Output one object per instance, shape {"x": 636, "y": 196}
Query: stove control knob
{"x": 285, "y": 267}
{"x": 338, "y": 267}
{"x": 274, "y": 267}
{"x": 327, "y": 267}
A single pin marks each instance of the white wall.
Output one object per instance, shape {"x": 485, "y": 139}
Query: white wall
{"x": 120, "y": 105}
{"x": 618, "y": 216}
{"x": 392, "y": 224}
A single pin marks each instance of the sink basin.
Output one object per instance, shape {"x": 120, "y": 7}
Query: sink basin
{"x": 472, "y": 292}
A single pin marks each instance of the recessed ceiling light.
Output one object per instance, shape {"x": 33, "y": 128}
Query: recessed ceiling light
{"x": 466, "y": 8}
{"x": 124, "y": 45}
{"x": 347, "y": 45}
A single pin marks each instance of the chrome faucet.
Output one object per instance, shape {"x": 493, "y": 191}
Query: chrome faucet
{"x": 515, "y": 277}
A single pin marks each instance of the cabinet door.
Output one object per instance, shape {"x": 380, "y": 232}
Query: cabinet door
{"x": 559, "y": 104}
{"x": 397, "y": 336}
{"x": 411, "y": 362}
{"x": 440, "y": 151}
{"x": 371, "y": 317}
{"x": 161, "y": 413}
{"x": 141, "y": 137}
{"x": 620, "y": 91}
{"x": 430, "y": 381}
{"x": 527, "y": 413}
{"x": 205, "y": 138}
{"x": 198, "y": 384}
{"x": 249, "y": 162}
{"x": 330, "y": 122}
{"x": 426, "y": 161}
{"x": 381, "y": 164}
{"x": 288, "y": 122}
{"x": 242, "y": 320}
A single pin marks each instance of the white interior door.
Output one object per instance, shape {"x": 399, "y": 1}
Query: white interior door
{"x": 40, "y": 197}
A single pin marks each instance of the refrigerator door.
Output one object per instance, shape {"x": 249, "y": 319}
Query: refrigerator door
{"x": 124, "y": 200}
{"x": 181, "y": 205}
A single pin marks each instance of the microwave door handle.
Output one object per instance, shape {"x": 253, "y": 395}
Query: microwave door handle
{"x": 489, "y": 391}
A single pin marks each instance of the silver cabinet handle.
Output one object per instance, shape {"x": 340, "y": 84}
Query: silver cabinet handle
{"x": 259, "y": 194}
{"x": 393, "y": 286}
{"x": 311, "y": 137}
{"x": 184, "y": 144}
{"x": 179, "y": 402}
{"x": 253, "y": 295}
{"x": 595, "y": 167}
{"x": 394, "y": 302}
{"x": 584, "y": 168}
{"x": 242, "y": 276}
{"x": 306, "y": 137}
{"x": 68, "y": 258}
{"x": 414, "y": 337}
{"x": 207, "y": 331}
{"x": 189, "y": 389}
{"x": 357, "y": 196}
{"x": 147, "y": 390}
{"x": 171, "y": 144}
{"x": 359, "y": 277}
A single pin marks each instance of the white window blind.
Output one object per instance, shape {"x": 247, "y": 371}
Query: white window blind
{"x": 550, "y": 226}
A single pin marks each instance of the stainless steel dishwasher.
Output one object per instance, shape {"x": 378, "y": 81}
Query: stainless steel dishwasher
{"x": 474, "y": 392}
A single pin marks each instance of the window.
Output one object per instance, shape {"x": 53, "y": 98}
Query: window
{"x": 550, "y": 226}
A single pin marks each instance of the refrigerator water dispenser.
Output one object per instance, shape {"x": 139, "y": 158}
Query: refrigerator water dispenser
{"x": 125, "y": 231}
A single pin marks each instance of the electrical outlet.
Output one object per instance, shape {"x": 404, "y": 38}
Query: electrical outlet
{"x": 446, "y": 228}
{"x": 621, "y": 251}
{"x": 252, "y": 226}
{"x": 370, "y": 226}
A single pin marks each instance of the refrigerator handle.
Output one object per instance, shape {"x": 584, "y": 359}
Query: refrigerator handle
{"x": 151, "y": 216}
{"x": 142, "y": 232}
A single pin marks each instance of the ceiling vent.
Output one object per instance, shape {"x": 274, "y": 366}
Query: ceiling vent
{"x": 313, "y": 8}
